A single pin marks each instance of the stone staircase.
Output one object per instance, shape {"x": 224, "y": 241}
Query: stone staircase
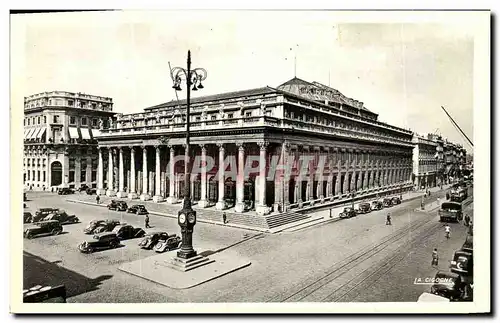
{"x": 280, "y": 219}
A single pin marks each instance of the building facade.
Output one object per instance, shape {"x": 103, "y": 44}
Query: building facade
{"x": 330, "y": 148}
{"x": 427, "y": 157}
{"x": 60, "y": 146}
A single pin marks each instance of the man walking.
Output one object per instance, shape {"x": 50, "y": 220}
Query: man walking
{"x": 97, "y": 199}
{"x": 388, "y": 219}
{"x": 435, "y": 258}
{"x": 146, "y": 222}
{"x": 466, "y": 220}
{"x": 224, "y": 217}
{"x": 447, "y": 231}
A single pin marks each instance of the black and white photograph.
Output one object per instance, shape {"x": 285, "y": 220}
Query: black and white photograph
{"x": 184, "y": 161}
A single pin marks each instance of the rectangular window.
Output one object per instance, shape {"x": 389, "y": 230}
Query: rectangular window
{"x": 72, "y": 120}
{"x": 94, "y": 105}
{"x": 248, "y": 114}
{"x": 213, "y": 117}
{"x": 71, "y": 163}
{"x": 83, "y": 176}
{"x": 84, "y": 121}
{"x": 94, "y": 122}
{"x": 33, "y": 175}
{"x": 38, "y": 120}
{"x": 94, "y": 176}
{"x": 56, "y": 119}
{"x": 29, "y": 121}
{"x": 70, "y": 103}
{"x": 38, "y": 175}
{"x": 198, "y": 118}
{"x": 38, "y": 161}
{"x": 71, "y": 176}
{"x": 44, "y": 176}
{"x": 28, "y": 172}
{"x": 229, "y": 115}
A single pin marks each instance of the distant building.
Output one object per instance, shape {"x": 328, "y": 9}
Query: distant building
{"x": 60, "y": 148}
{"x": 426, "y": 161}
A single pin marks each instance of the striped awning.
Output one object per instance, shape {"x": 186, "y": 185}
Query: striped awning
{"x": 40, "y": 133}
{"x": 25, "y": 132}
{"x": 73, "y": 133}
{"x": 35, "y": 133}
{"x": 31, "y": 133}
{"x": 96, "y": 133}
{"x": 85, "y": 133}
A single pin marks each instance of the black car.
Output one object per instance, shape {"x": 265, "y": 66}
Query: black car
{"x": 364, "y": 208}
{"x": 98, "y": 226}
{"x": 348, "y": 212}
{"x": 171, "y": 243}
{"x": 377, "y": 205}
{"x": 151, "y": 239}
{"x": 83, "y": 188}
{"x": 117, "y": 205}
{"x": 62, "y": 217}
{"x": 138, "y": 209}
{"x": 448, "y": 285}
{"x": 396, "y": 200}
{"x": 126, "y": 231}
{"x": 28, "y": 217}
{"x": 104, "y": 240}
{"x": 43, "y": 228}
{"x": 387, "y": 202}
{"x": 65, "y": 191}
{"x": 90, "y": 191}
{"x": 40, "y": 214}
{"x": 462, "y": 263}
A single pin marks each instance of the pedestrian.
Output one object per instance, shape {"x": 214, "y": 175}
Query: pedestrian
{"x": 447, "y": 195}
{"x": 466, "y": 220}
{"x": 470, "y": 228}
{"x": 97, "y": 199}
{"x": 388, "y": 219}
{"x": 52, "y": 190}
{"x": 435, "y": 258}
{"x": 447, "y": 231}
{"x": 438, "y": 201}
{"x": 224, "y": 217}
{"x": 146, "y": 222}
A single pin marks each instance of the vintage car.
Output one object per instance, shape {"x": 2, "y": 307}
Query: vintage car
{"x": 65, "y": 191}
{"x": 396, "y": 200}
{"x": 83, "y": 188}
{"x": 40, "y": 214}
{"x": 126, "y": 231}
{"x": 449, "y": 285}
{"x": 117, "y": 205}
{"x": 450, "y": 211}
{"x": 462, "y": 263}
{"x": 468, "y": 244}
{"x": 363, "y": 208}
{"x": 171, "y": 243}
{"x": 42, "y": 228}
{"x": 377, "y": 205}
{"x": 28, "y": 217}
{"x": 387, "y": 202}
{"x": 137, "y": 209}
{"x": 62, "y": 217}
{"x": 98, "y": 226}
{"x": 90, "y": 191}
{"x": 151, "y": 239}
{"x": 348, "y": 212}
{"x": 104, "y": 240}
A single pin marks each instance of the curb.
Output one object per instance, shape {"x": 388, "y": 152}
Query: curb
{"x": 174, "y": 216}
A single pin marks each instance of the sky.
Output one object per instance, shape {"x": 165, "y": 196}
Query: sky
{"x": 404, "y": 71}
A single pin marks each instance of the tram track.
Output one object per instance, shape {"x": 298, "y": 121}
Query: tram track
{"x": 343, "y": 267}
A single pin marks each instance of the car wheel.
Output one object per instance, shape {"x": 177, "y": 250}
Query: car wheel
{"x": 90, "y": 249}
{"x": 55, "y": 232}
{"x": 29, "y": 235}
{"x": 113, "y": 244}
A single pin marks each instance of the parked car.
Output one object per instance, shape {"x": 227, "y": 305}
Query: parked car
{"x": 450, "y": 211}
{"x": 396, "y": 200}
{"x": 62, "y": 217}
{"x": 42, "y": 213}
{"x": 127, "y": 231}
{"x": 166, "y": 244}
{"x": 449, "y": 285}
{"x": 104, "y": 240}
{"x": 364, "y": 208}
{"x": 468, "y": 244}
{"x": 83, "y": 188}
{"x": 462, "y": 263}
{"x": 90, "y": 191}
{"x": 151, "y": 239}
{"x": 377, "y": 205}
{"x": 42, "y": 228}
{"x": 348, "y": 212}
{"x": 387, "y": 202}
{"x": 137, "y": 209}
{"x": 117, "y": 205}
{"x": 28, "y": 217}
{"x": 98, "y": 226}
{"x": 65, "y": 191}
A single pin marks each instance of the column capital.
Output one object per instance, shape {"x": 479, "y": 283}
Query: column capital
{"x": 335, "y": 149}
{"x": 220, "y": 145}
{"x": 170, "y": 146}
{"x": 157, "y": 147}
{"x": 263, "y": 144}
{"x": 144, "y": 147}
{"x": 203, "y": 147}
{"x": 132, "y": 148}
{"x": 240, "y": 145}
{"x": 286, "y": 145}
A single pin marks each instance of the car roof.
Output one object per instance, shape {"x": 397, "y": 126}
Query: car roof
{"x": 48, "y": 221}
{"x": 446, "y": 274}
{"x": 103, "y": 234}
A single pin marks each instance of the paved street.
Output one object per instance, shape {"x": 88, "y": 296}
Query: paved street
{"x": 288, "y": 266}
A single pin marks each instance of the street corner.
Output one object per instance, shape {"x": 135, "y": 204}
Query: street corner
{"x": 170, "y": 271}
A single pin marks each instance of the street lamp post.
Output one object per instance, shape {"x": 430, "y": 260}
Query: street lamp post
{"x": 187, "y": 216}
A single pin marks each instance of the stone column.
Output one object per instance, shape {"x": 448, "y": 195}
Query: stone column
{"x": 110, "y": 191}
{"x": 158, "y": 197}
{"x": 78, "y": 171}
{"x": 203, "y": 202}
{"x": 171, "y": 177}
{"x": 365, "y": 180}
{"x": 329, "y": 184}
{"x": 240, "y": 179}
{"x": 121, "y": 175}
{"x": 132, "y": 190}
{"x": 262, "y": 208}
{"x": 221, "y": 203}
{"x": 286, "y": 176}
{"x": 100, "y": 174}
{"x": 88, "y": 171}
{"x": 145, "y": 196}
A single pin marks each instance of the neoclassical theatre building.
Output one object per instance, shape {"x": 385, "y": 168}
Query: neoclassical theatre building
{"x": 362, "y": 156}
{"x": 60, "y": 146}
